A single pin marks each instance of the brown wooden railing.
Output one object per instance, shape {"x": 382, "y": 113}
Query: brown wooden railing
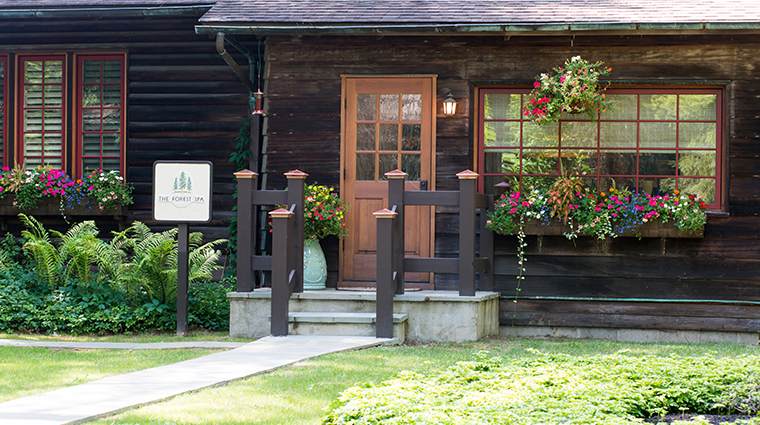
{"x": 391, "y": 263}
{"x": 286, "y": 261}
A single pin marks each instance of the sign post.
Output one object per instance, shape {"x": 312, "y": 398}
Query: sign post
{"x": 182, "y": 195}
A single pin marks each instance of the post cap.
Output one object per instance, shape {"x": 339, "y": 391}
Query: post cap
{"x": 467, "y": 174}
{"x": 396, "y": 174}
{"x": 385, "y": 213}
{"x": 245, "y": 174}
{"x": 296, "y": 174}
{"x": 280, "y": 213}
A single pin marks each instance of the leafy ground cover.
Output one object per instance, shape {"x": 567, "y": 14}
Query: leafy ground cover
{"x": 301, "y": 393}
{"x": 26, "y": 371}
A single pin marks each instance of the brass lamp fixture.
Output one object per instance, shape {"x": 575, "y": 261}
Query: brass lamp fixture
{"x": 449, "y": 105}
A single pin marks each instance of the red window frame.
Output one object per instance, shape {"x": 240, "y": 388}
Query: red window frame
{"x": 482, "y": 149}
{"x": 20, "y": 131}
{"x": 4, "y": 111}
{"x": 80, "y": 132}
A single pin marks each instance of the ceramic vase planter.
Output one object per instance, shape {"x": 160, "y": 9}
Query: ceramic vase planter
{"x": 314, "y": 266}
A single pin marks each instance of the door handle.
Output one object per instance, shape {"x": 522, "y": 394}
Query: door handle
{"x": 423, "y": 185}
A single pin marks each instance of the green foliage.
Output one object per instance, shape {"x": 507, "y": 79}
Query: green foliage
{"x": 550, "y": 389}
{"x": 210, "y": 306}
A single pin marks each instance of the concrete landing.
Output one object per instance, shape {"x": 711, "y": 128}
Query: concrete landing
{"x": 97, "y": 399}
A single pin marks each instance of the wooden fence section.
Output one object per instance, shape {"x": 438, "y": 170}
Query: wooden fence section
{"x": 286, "y": 263}
{"x": 391, "y": 263}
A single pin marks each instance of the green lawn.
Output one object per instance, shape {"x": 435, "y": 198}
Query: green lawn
{"x": 142, "y": 337}
{"x": 299, "y": 394}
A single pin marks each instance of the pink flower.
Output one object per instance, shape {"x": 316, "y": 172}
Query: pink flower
{"x": 536, "y": 84}
{"x": 513, "y": 210}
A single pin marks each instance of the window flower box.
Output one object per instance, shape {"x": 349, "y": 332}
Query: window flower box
{"x": 52, "y": 206}
{"x": 650, "y": 229}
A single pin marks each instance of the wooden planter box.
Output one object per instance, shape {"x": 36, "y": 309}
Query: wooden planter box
{"x": 651, "y": 229}
{"x": 52, "y": 206}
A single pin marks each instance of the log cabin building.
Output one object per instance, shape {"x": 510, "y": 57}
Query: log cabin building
{"x": 353, "y": 89}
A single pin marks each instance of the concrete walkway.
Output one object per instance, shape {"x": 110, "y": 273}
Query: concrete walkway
{"x": 89, "y": 401}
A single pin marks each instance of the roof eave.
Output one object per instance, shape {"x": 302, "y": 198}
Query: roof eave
{"x": 104, "y": 12}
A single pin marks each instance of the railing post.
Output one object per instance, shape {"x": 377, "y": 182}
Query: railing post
{"x": 281, "y": 221}
{"x": 245, "y": 230}
{"x": 467, "y": 180}
{"x": 296, "y": 197}
{"x": 386, "y": 273}
{"x": 396, "y": 183}
{"x": 486, "y": 247}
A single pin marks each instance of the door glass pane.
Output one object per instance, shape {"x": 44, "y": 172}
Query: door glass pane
{"x": 504, "y": 133}
{"x": 411, "y": 107}
{"x": 617, "y": 134}
{"x": 579, "y": 134}
{"x": 658, "y": 106}
{"x": 697, "y": 107}
{"x": 33, "y": 144}
{"x": 111, "y": 119}
{"x": 365, "y": 107}
{"x": 33, "y": 120}
{"x": 365, "y": 167}
{"x": 90, "y": 96}
{"x": 91, "y": 120}
{"x": 53, "y": 120}
{"x": 624, "y": 107}
{"x": 410, "y": 164}
{"x": 389, "y": 137}
{"x": 387, "y": 163}
{"x": 410, "y": 137}
{"x": 112, "y": 71}
{"x": 388, "y": 107}
{"x": 502, "y": 106}
{"x": 697, "y": 135}
{"x": 365, "y": 137}
{"x": 112, "y": 144}
{"x": 33, "y": 96}
{"x": 502, "y": 161}
{"x": 52, "y": 144}
{"x": 111, "y": 95}
{"x": 53, "y": 96}
{"x": 704, "y": 188}
{"x": 617, "y": 162}
{"x": 541, "y": 135}
{"x": 657, "y": 134}
{"x": 696, "y": 163}
{"x": 657, "y": 163}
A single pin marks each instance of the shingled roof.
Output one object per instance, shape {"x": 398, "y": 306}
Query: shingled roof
{"x": 483, "y": 11}
{"x": 68, "y": 4}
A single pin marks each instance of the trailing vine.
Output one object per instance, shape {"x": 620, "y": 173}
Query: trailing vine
{"x": 520, "y": 264}
{"x": 240, "y": 158}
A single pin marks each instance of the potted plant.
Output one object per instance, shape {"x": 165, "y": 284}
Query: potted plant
{"x": 323, "y": 216}
{"x": 574, "y": 88}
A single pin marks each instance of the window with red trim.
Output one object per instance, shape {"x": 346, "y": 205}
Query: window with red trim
{"x": 652, "y": 141}
{"x": 3, "y": 111}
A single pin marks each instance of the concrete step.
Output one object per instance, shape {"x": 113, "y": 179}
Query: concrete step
{"x": 342, "y": 323}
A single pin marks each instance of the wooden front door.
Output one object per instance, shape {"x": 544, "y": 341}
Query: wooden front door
{"x": 387, "y": 125}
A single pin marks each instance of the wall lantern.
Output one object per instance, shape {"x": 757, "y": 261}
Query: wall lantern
{"x": 449, "y": 105}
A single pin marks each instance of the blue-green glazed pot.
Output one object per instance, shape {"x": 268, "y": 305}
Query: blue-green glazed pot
{"x": 314, "y": 266}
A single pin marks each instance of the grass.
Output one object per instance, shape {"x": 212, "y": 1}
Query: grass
{"x": 138, "y": 338}
{"x": 299, "y": 394}
{"x": 26, "y": 371}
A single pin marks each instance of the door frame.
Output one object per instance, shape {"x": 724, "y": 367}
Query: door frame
{"x": 431, "y": 183}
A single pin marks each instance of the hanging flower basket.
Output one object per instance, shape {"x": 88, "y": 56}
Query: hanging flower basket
{"x": 573, "y": 88}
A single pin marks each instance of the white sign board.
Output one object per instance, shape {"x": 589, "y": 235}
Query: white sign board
{"x": 182, "y": 191}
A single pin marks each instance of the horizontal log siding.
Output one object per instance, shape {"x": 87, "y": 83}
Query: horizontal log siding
{"x": 184, "y": 102}
{"x": 304, "y": 105}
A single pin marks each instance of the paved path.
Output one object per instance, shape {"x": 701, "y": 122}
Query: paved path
{"x": 110, "y": 395}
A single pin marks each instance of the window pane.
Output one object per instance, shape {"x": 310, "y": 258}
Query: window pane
{"x": 33, "y": 120}
{"x": 112, "y": 71}
{"x": 624, "y": 107}
{"x": 53, "y": 96}
{"x": 90, "y": 96}
{"x": 365, "y": 107}
{"x": 697, "y": 107}
{"x": 389, "y": 107}
{"x": 656, "y": 186}
{"x": 704, "y": 188}
{"x": 616, "y": 183}
{"x": 90, "y": 164}
{"x": 579, "y": 134}
{"x": 579, "y": 162}
{"x": 53, "y": 72}
{"x": 696, "y": 163}
{"x": 112, "y": 144}
{"x": 365, "y": 167}
{"x": 653, "y": 163}
{"x": 617, "y": 134}
{"x": 658, "y": 106}
{"x": 91, "y": 71}
{"x": 411, "y": 108}
{"x": 410, "y": 137}
{"x": 365, "y": 137}
{"x": 387, "y": 163}
{"x": 91, "y": 144}
{"x": 501, "y": 161}
{"x": 501, "y": 134}
{"x": 540, "y": 136}
{"x": 657, "y": 134}
{"x": 111, "y": 95}
{"x": 33, "y": 144}
{"x": 111, "y": 119}
{"x": 33, "y": 72}
{"x": 111, "y": 164}
{"x": 33, "y": 96}
{"x": 389, "y": 137}
{"x": 30, "y": 163}
{"x": 618, "y": 162}
{"x": 502, "y": 107}
{"x": 540, "y": 161}
{"x": 91, "y": 120}
{"x": 697, "y": 135}
{"x": 52, "y": 145}
{"x": 410, "y": 164}
{"x": 53, "y": 120}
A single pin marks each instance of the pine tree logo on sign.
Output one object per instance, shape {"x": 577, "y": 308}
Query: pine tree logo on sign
{"x": 182, "y": 191}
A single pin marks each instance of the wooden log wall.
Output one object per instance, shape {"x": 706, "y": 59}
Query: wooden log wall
{"x": 184, "y": 102}
{"x": 607, "y": 282}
